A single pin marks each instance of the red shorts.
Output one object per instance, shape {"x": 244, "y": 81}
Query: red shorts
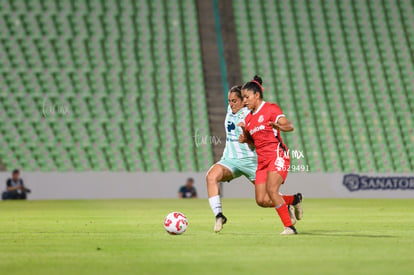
{"x": 279, "y": 164}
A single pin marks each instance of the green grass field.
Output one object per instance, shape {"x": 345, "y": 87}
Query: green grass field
{"x": 127, "y": 237}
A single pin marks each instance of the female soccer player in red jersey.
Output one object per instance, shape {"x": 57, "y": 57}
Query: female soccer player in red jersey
{"x": 237, "y": 160}
{"x": 262, "y": 127}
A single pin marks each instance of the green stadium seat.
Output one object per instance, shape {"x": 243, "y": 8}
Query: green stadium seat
{"x": 340, "y": 62}
{"x": 106, "y": 62}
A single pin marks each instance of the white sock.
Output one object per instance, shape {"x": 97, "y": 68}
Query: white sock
{"x": 215, "y": 204}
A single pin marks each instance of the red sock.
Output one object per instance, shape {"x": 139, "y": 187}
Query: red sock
{"x": 288, "y": 199}
{"x": 284, "y": 215}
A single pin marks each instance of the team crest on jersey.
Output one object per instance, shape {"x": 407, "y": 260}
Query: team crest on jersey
{"x": 261, "y": 118}
{"x": 230, "y": 126}
{"x": 279, "y": 163}
{"x": 241, "y": 115}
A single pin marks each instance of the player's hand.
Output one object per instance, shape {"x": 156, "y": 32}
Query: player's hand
{"x": 243, "y": 138}
{"x": 274, "y": 125}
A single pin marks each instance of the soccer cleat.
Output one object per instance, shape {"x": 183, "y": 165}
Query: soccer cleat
{"x": 291, "y": 210}
{"x": 298, "y": 206}
{"x": 220, "y": 220}
{"x": 291, "y": 230}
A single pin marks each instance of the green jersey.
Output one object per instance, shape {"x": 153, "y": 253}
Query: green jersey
{"x": 234, "y": 149}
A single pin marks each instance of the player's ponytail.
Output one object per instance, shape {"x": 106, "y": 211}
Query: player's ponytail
{"x": 237, "y": 91}
{"x": 255, "y": 85}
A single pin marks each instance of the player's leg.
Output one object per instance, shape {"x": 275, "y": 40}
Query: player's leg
{"x": 288, "y": 199}
{"x": 216, "y": 174}
{"x": 273, "y": 183}
{"x": 262, "y": 199}
{"x": 294, "y": 203}
{"x": 248, "y": 167}
{"x": 297, "y": 204}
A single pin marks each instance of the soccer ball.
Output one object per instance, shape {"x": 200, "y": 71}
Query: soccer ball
{"x": 175, "y": 223}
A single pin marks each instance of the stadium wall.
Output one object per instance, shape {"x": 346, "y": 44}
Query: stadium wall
{"x": 107, "y": 185}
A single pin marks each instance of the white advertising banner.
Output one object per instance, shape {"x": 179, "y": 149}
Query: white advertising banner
{"x": 102, "y": 185}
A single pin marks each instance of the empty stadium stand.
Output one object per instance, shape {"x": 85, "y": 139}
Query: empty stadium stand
{"x": 343, "y": 72}
{"x": 101, "y": 85}
{"x": 119, "y": 85}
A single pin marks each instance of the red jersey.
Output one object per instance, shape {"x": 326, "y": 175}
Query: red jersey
{"x": 266, "y": 139}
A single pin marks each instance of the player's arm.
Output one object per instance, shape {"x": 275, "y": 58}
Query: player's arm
{"x": 245, "y": 137}
{"x": 282, "y": 124}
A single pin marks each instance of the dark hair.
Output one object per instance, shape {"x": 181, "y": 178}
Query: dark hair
{"x": 236, "y": 89}
{"x": 255, "y": 85}
{"x": 190, "y": 179}
{"x": 16, "y": 171}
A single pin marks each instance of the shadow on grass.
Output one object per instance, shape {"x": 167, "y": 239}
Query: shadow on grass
{"x": 253, "y": 234}
{"x": 310, "y": 233}
{"x": 344, "y": 234}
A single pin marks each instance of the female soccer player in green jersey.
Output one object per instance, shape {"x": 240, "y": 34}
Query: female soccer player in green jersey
{"x": 238, "y": 158}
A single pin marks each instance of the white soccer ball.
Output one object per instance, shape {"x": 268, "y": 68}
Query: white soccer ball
{"x": 175, "y": 223}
